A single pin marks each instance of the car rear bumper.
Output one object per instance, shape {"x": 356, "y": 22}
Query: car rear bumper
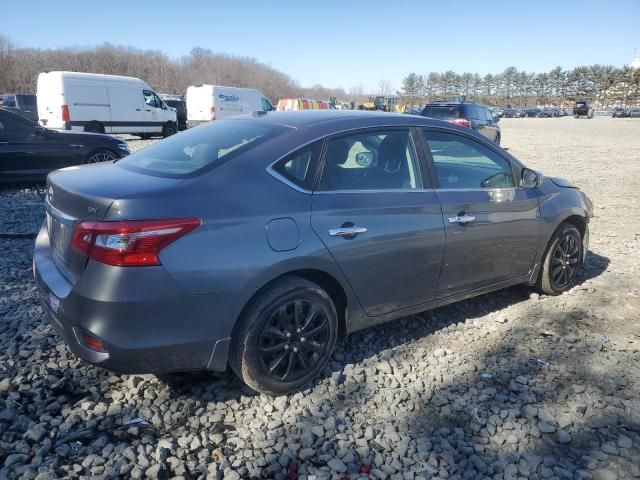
{"x": 145, "y": 322}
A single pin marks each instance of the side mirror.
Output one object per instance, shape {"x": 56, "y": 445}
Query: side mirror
{"x": 530, "y": 178}
{"x": 39, "y": 131}
{"x": 364, "y": 159}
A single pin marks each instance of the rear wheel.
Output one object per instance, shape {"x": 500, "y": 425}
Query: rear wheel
{"x": 561, "y": 261}
{"x": 169, "y": 129}
{"x": 285, "y": 337}
{"x": 99, "y": 156}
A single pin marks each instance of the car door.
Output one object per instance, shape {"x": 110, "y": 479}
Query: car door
{"x": 379, "y": 218}
{"x": 153, "y": 112}
{"x": 477, "y": 118}
{"x": 28, "y": 150}
{"x": 491, "y": 127}
{"x": 492, "y": 226}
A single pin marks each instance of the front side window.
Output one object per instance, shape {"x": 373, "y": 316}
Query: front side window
{"x": 196, "y": 149}
{"x": 9, "y": 101}
{"x": 151, "y": 99}
{"x": 376, "y": 160}
{"x": 266, "y": 106}
{"x": 464, "y": 163}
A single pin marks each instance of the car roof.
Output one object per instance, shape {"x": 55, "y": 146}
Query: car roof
{"x": 344, "y": 118}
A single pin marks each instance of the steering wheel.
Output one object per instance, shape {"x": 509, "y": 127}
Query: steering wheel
{"x": 488, "y": 182}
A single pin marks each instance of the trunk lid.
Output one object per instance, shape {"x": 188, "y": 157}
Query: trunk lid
{"x": 85, "y": 193}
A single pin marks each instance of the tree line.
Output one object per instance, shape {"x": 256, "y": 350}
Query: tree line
{"x": 19, "y": 69}
{"x": 604, "y": 85}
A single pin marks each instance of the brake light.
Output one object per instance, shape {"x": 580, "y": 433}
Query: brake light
{"x": 129, "y": 243}
{"x": 463, "y": 122}
{"x": 213, "y": 113}
{"x": 65, "y": 113}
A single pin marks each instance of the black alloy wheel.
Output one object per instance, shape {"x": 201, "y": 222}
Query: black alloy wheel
{"x": 293, "y": 340}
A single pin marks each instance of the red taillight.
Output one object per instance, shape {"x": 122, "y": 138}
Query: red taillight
{"x": 213, "y": 113}
{"x": 463, "y": 122}
{"x": 129, "y": 243}
{"x": 65, "y": 113}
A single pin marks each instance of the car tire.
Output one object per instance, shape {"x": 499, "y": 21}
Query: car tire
{"x": 498, "y": 138}
{"x": 101, "y": 155}
{"x": 278, "y": 344}
{"x": 169, "y": 129}
{"x": 94, "y": 127}
{"x": 562, "y": 259}
{"x": 145, "y": 136}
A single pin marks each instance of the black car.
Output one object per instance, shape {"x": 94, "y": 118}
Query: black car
{"x": 546, "y": 113}
{"x": 181, "y": 110}
{"x": 619, "y": 113}
{"x": 28, "y": 151}
{"x": 582, "y": 109}
{"x": 22, "y": 104}
{"x": 634, "y": 113}
{"x": 467, "y": 114}
{"x": 532, "y": 112}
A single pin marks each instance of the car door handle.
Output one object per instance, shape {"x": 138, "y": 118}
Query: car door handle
{"x": 462, "y": 219}
{"x": 139, "y": 110}
{"x": 347, "y": 231}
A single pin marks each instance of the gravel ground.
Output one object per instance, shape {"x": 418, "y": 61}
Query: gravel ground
{"x": 507, "y": 385}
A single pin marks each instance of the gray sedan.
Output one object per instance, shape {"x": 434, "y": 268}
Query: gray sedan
{"x": 256, "y": 241}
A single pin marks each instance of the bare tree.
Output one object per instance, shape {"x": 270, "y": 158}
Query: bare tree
{"x": 384, "y": 87}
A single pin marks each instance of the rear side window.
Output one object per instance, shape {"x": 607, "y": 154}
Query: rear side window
{"x": 442, "y": 111}
{"x": 198, "y": 149}
{"x": 9, "y": 101}
{"x": 299, "y": 167}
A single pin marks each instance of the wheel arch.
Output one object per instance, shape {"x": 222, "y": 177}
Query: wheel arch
{"x": 328, "y": 282}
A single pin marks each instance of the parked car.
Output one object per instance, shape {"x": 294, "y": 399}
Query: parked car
{"x": 514, "y": 113}
{"x": 28, "y": 151}
{"x": 98, "y": 103}
{"x": 634, "y": 113}
{"x": 259, "y": 239}
{"x": 582, "y": 109}
{"x": 206, "y": 103}
{"x": 546, "y": 113}
{"x": 619, "y": 113}
{"x": 180, "y": 106}
{"x": 22, "y": 104}
{"x": 532, "y": 112}
{"x": 466, "y": 114}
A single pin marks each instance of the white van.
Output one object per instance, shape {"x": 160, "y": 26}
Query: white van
{"x": 211, "y": 102}
{"x": 98, "y": 103}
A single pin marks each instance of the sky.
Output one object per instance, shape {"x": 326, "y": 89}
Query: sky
{"x": 347, "y": 43}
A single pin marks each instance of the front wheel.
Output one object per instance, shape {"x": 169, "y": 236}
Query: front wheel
{"x": 561, "y": 261}
{"x": 169, "y": 129}
{"x": 285, "y": 337}
{"x": 99, "y": 156}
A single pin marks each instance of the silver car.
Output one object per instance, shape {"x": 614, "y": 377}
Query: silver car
{"x": 256, "y": 241}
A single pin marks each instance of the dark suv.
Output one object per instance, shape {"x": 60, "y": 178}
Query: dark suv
{"x": 22, "y": 104}
{"x": 181, "y": 110}
{"x": 582, "y": 109}
{"x": 472, "y": 115}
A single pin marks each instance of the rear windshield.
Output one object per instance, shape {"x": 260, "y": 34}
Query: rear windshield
{"x": 442, "y": 111}
{"x": 26, "y": 100}
{"x": 198, "y": 149}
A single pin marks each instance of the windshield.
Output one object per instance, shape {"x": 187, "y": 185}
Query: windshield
{"x": 196, "y": 149}
{"x": 442, "y": 111}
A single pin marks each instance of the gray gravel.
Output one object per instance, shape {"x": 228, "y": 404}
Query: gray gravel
{"x": 508, "y": 385}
